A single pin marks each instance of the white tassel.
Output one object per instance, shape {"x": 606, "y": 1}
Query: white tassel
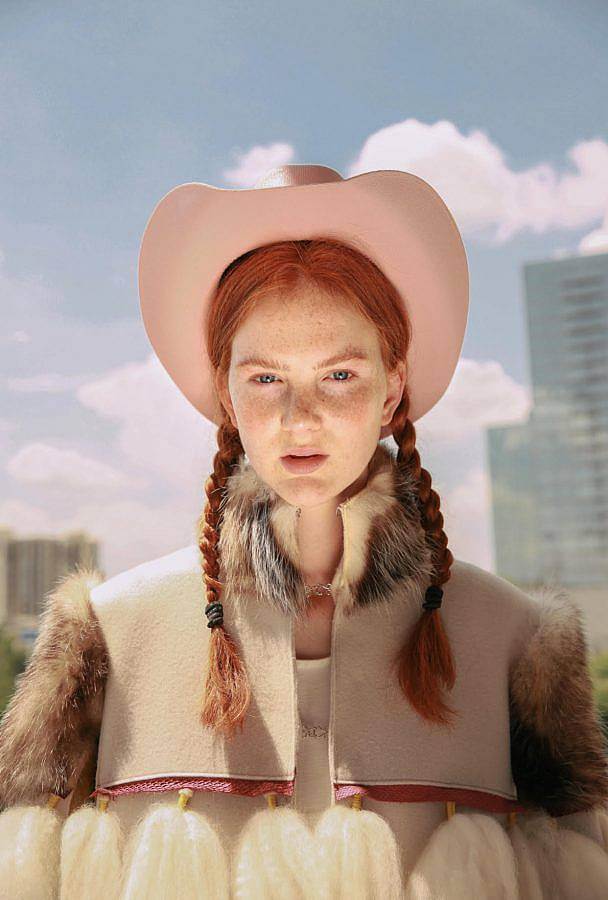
{"x": 276, "y": 857}
{"x": 358, "y": 853}
{"x": 91, "y": 853}
{"x": 530, "y": 887}
{"x": 540, "y": 832}
{"x": 175, "y": 852}
{"x": 582, "y": 866}
{"x": 468, "y": 855}
{"x": 570, "y": 864}
{"x": 29, "y": 851}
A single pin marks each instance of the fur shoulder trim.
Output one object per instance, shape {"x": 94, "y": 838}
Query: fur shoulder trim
{"x": 558, "y": 751}
{"x": 386, "y": 552}
{"x": 50, "y": 727}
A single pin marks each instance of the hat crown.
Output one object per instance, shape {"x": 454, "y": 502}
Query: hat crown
{"x": 294, "y": 174}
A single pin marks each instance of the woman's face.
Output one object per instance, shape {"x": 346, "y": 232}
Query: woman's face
{"x": 290, "y": 396}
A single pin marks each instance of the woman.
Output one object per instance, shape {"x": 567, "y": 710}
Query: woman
{"x": 376, "y": 718}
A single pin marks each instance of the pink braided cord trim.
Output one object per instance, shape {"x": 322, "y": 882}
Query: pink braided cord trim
{"x": 246, "y": 787}
{"x": 417, "y": 793}
{"x": 395, "y": 793}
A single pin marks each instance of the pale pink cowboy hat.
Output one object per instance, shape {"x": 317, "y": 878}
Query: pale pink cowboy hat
{"x": 394, "y": 217}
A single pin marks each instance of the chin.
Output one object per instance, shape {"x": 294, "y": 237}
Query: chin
{"x": 299, "y": 490}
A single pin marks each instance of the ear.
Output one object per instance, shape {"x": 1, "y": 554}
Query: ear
{"x": 395, "y": 387}
{"x": 221, "y": 386}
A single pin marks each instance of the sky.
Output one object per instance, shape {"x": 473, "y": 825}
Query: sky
{"x": 105, "y": 106}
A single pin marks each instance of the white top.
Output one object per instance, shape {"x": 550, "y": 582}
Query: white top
{"x": 312, "y": 789}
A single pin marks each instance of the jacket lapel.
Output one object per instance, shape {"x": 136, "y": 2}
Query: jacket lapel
{"x": 378, "y": 589}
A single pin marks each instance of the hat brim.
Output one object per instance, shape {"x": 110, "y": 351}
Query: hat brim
{"x": 394, "y": 217}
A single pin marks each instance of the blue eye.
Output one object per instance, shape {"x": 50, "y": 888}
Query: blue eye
{"x": 268, "y": 375}
{"x": 343, "y": 370}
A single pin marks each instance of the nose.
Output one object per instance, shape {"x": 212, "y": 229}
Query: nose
{"x": 301, "y": 410}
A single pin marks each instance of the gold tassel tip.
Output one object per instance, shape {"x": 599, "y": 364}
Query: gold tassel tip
{"x": 102, "y": 802}
{"x": 30, "y": 850}
{"x": 185, "y": 794}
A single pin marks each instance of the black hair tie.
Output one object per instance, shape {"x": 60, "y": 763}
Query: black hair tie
{"x": 215, "y": 613}
{"x": 432, "y": 598}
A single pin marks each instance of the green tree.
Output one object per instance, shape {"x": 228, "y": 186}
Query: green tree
{"x": 599, "y": 673}
{"x": 12, "y": 662}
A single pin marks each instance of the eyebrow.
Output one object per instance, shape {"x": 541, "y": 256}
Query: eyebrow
{"x": 344, "y": 354}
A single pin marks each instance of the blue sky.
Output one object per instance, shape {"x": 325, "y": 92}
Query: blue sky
{"x": 106, "y": 106}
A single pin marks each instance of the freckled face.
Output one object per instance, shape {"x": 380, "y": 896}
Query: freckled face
{"x": 338, "y": 408}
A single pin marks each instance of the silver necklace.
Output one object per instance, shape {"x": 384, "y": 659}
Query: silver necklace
{"x": 317, "y": 589}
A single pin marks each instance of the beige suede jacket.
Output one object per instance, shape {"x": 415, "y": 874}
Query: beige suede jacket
{"x": 109, "y": 705}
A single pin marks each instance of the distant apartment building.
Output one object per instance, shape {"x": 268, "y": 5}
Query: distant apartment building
{"x": 549, "y": 475}
{"x": 30, "y": 567}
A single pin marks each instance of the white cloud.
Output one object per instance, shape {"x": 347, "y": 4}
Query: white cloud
{"x": 130, "y": 531}
{"x": 472, "y": 175}
{"x": 24, "y": 518}
{"x": 160, "y": 437}
{"x": 595, "y": 241}
{"x": 467, "y": 511}
{"x": 41, "y": 463}
{"x": 256, "y": 162}
{"x": 160, "y": 431}
{"x": 480, "y": 394}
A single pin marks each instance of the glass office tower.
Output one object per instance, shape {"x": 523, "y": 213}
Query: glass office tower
{"x": 549, "y": 476}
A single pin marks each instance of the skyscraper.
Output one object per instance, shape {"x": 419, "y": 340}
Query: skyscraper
{"x": 549, "y": 476}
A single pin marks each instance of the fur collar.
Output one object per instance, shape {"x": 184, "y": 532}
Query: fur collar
{"x": 385, "y": 557}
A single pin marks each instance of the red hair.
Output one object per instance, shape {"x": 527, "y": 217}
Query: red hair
{"x": 424, "y": 664}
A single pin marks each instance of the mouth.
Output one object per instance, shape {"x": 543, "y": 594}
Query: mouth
{"x": 303, "y": 451}
{"x": 303, "y": 463}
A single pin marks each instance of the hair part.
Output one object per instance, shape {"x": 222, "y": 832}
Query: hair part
{"x": 424, "y": 664}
